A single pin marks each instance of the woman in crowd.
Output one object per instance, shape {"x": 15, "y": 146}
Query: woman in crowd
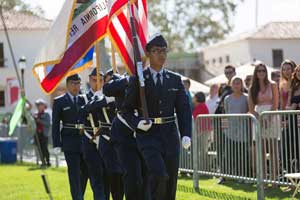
{"x": 263, "y": 96}
{"x": 291, "y": 139}
{"x": 286, "y": 71}
{"x": 236, "y": 137}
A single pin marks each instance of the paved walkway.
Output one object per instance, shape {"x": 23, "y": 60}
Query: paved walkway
{"x": 30, "y": 157}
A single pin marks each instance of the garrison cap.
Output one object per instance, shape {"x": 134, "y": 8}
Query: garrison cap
{"x": 156, "y": 40}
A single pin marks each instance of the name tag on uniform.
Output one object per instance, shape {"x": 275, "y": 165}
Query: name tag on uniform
{"x": 66, "y": 108}
{"x": 173, "y": 90}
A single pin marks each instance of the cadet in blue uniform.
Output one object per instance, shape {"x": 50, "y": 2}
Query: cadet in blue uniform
{"x": 158, "y": 140}
{"x": 90, "y": 152}
{"x": 68, "y": 139}
{"x": 106, "y": 110}
{"x": 122, "y": 136}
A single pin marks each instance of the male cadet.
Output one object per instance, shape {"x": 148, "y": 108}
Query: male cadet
{"x": 105, "y": 108}
{"x": 157, "y": 138}
{"x": 122, "y": 137}
{"x": 66, "y": 110}
{"x": 90, "y": 151}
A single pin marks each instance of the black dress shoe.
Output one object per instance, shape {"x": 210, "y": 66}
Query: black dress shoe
{"x": 221, "y": 180}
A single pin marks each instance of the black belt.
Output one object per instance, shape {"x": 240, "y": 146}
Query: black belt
{"x": 163, "y": 120}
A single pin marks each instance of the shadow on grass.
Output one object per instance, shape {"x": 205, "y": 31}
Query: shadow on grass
{"x": 210, "y": 194}
{"x": 274, "y": 193}
{"x": 279, "y": 193}
{"x": 34, "y": 167}
{"x": 235, "y": 185}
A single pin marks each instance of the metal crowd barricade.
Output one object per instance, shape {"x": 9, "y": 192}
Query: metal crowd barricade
{"x": 224, "y": 145}
{"x": 186, "y": 162}
{"x": 238, "y": 146}
{"x": 280, "y": 145}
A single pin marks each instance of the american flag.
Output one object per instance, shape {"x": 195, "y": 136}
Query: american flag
{"x": 120, "y": 33}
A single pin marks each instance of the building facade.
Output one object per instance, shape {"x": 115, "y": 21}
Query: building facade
{"x": 271, "y": 43}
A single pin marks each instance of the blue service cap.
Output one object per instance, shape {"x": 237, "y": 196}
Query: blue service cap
{"x": 109, "y": 72}
{"x": 94, "y": 72}
{"x": 74, "y": 77}
{"x": 156, "y": 40}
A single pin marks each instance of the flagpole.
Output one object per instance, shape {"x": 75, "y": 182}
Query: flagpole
{"x": 256, "y": 13}
{"x": 98, "y": 66}
{"x": 138, "y": 65}
{"x": 113, "y": 59}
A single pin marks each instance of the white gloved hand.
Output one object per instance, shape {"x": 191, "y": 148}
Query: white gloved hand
{"x": 110, "y": 99}
{"x": 186, "y": 142}
{"x": 144, "y": 126}
{"x": 56, "y": 150}
{"x": 128, "y": 79}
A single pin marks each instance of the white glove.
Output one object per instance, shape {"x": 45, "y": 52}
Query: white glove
{"x": 144, "y": 126}
{"x": 128, "y": 79}
{"x": 186, "y": 142}
{"x": 56, "y": 150}
{"x": 110, "y": 99}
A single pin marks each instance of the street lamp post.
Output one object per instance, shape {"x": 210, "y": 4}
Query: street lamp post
{"x": 22, "y": 67}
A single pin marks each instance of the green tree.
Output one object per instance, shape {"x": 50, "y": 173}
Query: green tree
{"x": 21, "y": 6}
{"x": 190, "y": 24}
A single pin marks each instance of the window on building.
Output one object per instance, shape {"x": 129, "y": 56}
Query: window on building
{"x": 1, "y": 55}
{"x": 277, "y": 57}
{"x": 2, "y": 98}
{"x": 227, "y": 59}
{"x": 220, "y": 60}
{"x": 214, "y": 61}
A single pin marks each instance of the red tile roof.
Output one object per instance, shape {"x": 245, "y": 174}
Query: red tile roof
{"x": 22, "y": 21}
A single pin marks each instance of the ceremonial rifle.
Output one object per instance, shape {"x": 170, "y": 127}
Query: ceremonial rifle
{"x": 138, "y": 65}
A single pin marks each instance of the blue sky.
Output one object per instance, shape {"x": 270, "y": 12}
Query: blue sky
{"x": 243, "y": 20}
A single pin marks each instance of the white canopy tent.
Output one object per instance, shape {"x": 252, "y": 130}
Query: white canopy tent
{"x": 241, "y": 71}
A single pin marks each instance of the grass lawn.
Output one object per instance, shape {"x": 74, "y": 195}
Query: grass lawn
{"x": 23, "y": 182}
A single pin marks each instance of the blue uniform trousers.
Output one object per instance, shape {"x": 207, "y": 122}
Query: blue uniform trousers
{"x": 77, "y": 173}
{"x": 134, "y": 169}
{"x": 112, "y": 170}
{"x": 94, "y": 164}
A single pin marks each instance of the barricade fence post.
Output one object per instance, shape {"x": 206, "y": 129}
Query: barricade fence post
{"x": 259, "y": 161}
{"x": 195, "y": 155}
